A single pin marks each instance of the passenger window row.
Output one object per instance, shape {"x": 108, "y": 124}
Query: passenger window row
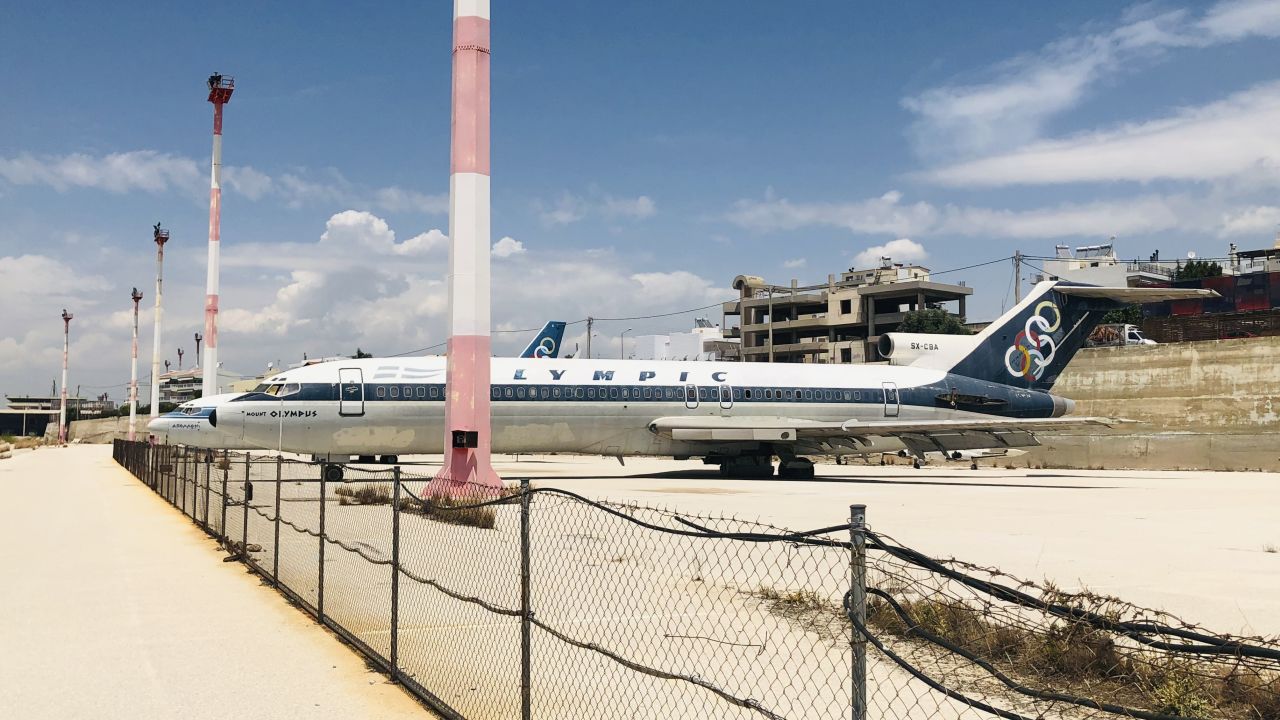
{"x": 679, "y": 393}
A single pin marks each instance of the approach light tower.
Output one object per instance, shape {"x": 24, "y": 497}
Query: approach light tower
{"x": 161, "y": 237}
{"x": 220, "y": 89}
{"x": 66, "y": 346}
{"x": 199, "y": 337}
{"x": 133, "y": 371}
{"x": 467, "y": 421}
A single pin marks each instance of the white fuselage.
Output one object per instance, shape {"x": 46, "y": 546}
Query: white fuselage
{"x": 396, "y": 406}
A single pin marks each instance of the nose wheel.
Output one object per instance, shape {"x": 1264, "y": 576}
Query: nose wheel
{"x": 332, "y": 473}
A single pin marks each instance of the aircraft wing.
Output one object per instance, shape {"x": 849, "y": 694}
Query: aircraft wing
{"x": 922, "y": 435}
{"x": 1136, "y": 294}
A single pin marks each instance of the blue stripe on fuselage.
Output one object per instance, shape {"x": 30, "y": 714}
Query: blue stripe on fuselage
{"x": 952, "y": 391}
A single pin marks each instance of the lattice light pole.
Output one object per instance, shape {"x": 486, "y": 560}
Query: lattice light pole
{"x": 467, "y": 417}
{"x": 220, "y": 89}
{"x": 66, "y": 347}
{"x": 133, "y": 370}
{"x": 161, "y": 237}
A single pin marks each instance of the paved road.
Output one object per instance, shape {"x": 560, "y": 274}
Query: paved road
{"x": 113, "y": 605}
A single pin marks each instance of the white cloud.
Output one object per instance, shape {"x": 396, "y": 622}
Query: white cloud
{"x": 903, "y": 250}
{"x": 507, "y": 247}
{"x": 567, "y": 209}
{"x": 570, "y": 208}
{"x": 1219, "y": 140}
{"x": 156, "y": 172}
{"x": 795, "y": 264}
{"x": 883, "y": 215}
{"x": 1214, "y": 212}
{"x": 1013, "y": 108}
{"x": 636, "y": 208}
{"x": 423, "y": 243}
{"x": 1256, "y": 220}
{"x": 144, "y": 170}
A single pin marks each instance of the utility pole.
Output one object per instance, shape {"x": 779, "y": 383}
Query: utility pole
{"x": 66, "y": 346}
{"x": 590, "y": 321}
{"x": 133, "y": 371}
{"x": 161, "y": 237}
{"x": 622, "y": 344}
{"x": 179, "y": 358}
{"x": 199, "y": 337}
{"x": 1017, "y": 276}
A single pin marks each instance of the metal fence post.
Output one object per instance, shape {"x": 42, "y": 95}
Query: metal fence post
{"x": 208, "y": 485}
{"x": 275, "y": 554}
{"x": 395, "y": 573}
{"x": 246, "y": 494}
{"x": 858, "y": 605}
{"x": 226, "y": 460}
{"x": 320, "y": 580}
{"x": 526, "y": 612}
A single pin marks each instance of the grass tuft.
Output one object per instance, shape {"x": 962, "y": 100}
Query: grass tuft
{"x": 363, "y": 495}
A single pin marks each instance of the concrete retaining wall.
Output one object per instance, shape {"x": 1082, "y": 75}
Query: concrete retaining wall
{"x": 101, "y": 430}
{"x": 1212, "y": 405}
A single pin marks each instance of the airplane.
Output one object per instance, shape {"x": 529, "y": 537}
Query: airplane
{"x": 191, "y": 416}
{"x": 938, "y": 394}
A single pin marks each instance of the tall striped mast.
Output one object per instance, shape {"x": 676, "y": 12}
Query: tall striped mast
{"x": 133, "y": 370}
{"x": 66, "y": 348}
{"x": 467, "y": 439}
{"x": 161, "y": 236}
{"x": 220, "y": 89}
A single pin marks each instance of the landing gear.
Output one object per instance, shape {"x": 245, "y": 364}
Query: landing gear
{"x": 746, "y": 466}
{"x": 367, "y": 459}
{"x": 973, "y": 465}
{"x": 331, "y": 473}
{"x": 915, "y": 463}
{"x": 796, "y": 468}
{"x": 390, "y": 459}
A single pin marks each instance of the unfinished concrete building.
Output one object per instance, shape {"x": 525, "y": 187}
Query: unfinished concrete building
{"x": 838, "y": 321}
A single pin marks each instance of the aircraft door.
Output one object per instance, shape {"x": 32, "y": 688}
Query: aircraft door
{"x": 350, "y": 392}
{"x": 891, "y": 405}
{"x": 726, "y": 397}
{"x": 691, "y": 397}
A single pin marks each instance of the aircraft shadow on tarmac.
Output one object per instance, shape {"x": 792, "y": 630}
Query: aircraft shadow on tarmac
{"x": 715, "y": 475}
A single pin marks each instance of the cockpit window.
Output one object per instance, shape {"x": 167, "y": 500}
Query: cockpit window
{"x": 190, "y": 410}
{"x": 261, "y": 388}
{"x": 289, "y": 389}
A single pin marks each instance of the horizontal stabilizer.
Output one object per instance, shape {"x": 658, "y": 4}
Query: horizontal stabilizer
{"x": 1137, "y": 294}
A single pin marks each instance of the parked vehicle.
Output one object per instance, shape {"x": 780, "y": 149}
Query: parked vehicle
{"x": 1117, "y": 334}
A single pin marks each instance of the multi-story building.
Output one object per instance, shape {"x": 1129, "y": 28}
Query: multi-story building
{"x": 1098, "y": 265}
{"x": 180, "y": 386}
{"x": 839, "y": 321}
{"x": 704, "y": 342}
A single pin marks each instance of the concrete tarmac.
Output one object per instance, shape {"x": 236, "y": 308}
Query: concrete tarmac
{"x": 113, "y": 605}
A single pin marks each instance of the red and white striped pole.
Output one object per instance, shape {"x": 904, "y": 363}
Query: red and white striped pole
{"x": 66, "y": 346}
{"x": 220, "y": 89}
{"x": 133, "y": 371}
{"x": 467, "y": 420}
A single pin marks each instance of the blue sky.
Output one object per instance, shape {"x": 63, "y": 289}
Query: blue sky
{"x": 643, "y": 155}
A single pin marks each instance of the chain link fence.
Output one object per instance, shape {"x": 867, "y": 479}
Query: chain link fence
{"x": 539, "y": 602}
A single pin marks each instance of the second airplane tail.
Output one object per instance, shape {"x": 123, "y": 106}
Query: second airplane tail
{"x": 547, "y": 342}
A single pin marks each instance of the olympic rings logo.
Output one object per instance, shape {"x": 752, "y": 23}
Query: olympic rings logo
{"x": 1033, "y": 349}
{"x": 546, "y": 348}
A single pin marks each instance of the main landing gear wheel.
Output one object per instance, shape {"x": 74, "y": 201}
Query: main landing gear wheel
{"x": 915, "y": 463}
{"x": 332, "y": 473}
{"x": 796, "y": 469}
{"x": 973, "y": 465}
{"x": 747, "y": 467}
{"x": 390, "y": 459}
{"x": 367, "y": 459}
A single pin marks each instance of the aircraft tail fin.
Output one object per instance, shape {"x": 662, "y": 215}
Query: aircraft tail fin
{"x": 1030, "y": 345}
{"x": 546, "y": 344}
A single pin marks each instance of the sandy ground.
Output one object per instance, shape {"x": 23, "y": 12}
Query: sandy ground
{"x": 1202, "y": 545}
{"x": 115, "y": 606}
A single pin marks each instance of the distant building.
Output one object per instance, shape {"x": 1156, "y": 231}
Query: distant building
{"x": 28, "y": 415}
{"x": 1098, "y": 265}
{"x": 839, "y": 321}
{"x": 179, "y": 386}
{"x": 704, "y": 342}
{"x": 1248, "y": 304}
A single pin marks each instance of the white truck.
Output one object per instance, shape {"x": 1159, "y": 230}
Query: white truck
{"x": 1117, "y": 334}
